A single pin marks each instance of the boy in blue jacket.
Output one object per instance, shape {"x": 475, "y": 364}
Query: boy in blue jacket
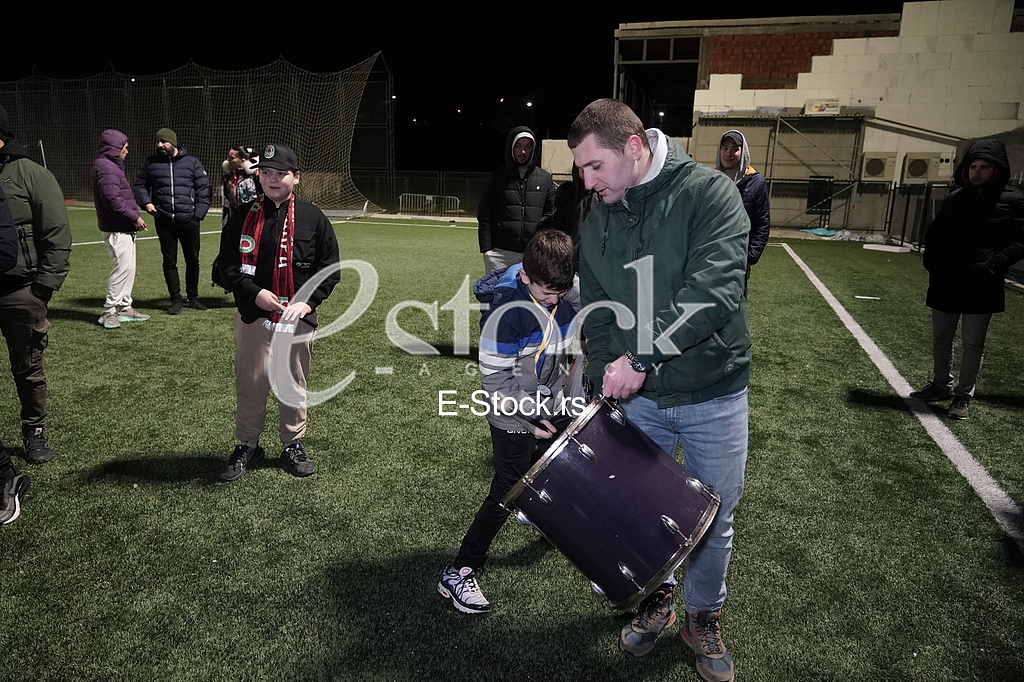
{"x": 522, "y": 362}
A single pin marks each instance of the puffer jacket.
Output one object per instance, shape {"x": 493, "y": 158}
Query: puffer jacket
{"x": 37, "y": 209}
{"x": 754, "y": 192}
{"x": 975, "y": 238}
{"x": 176, "y": 185}
{"x": 511, "y": 208}
{"x": 688, "y": 230}
{"x": 115, "y": 205}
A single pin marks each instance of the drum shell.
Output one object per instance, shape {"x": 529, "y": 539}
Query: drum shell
{"x": 599, "y": 495}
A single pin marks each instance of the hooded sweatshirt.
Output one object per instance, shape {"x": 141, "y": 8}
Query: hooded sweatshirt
{"x": 115, "y": 206}
{"x": 513, "y": 204}
{"x": 754, "y": 192}
{"x": 37, "y": 210}
{"x": 975, "y": 238}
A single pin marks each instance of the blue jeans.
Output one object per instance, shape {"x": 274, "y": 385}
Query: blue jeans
{"x": 713, "y": 435}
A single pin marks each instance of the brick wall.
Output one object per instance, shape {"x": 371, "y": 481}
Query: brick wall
{"x": 773, "y": 60}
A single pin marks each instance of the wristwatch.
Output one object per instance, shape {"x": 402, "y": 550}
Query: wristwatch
{"x": 634, "y": 362}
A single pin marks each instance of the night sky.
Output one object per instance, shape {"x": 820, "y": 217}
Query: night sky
{"x": 450, "y": 67}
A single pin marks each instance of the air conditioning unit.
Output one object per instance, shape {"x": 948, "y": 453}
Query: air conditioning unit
{"x": 923, "y": 167}
{"x": 878, "y": 167}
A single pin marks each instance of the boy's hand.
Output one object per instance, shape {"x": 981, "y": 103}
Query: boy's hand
{"x": 294, "y": 311}
{"x": 544, "y": 429}
{"x": 266, "y": 300}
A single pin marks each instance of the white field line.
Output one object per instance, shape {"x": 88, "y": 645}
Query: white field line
{"x": 1006, "y": 513}
{"x": 333, "y": 222}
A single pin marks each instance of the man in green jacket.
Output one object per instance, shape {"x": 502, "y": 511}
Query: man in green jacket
{"x": 44, "y": 234}
{"x": 669, "y": 242}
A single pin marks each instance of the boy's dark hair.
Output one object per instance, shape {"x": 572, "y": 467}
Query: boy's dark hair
{"x": 550, "y": 260}
{"x": 610, "y": 121}
{"x": 242, "y": 152}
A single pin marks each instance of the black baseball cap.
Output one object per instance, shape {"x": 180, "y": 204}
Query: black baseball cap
{"x": 278, "y": 157}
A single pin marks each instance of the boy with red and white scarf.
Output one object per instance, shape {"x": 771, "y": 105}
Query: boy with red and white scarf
{"x": 268, "y": 250}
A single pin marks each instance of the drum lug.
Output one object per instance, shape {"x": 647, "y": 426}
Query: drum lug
{"x": 586, "y": 451}
{"x": 628, "y": 573}
{"x": 523, "y": 519}
{"x": 617, "y": 416}
{"x": 673, "y": 527}
{"x": 596, "y": 589}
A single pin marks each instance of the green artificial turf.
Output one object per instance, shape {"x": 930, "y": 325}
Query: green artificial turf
{"x": 860, "y": 553}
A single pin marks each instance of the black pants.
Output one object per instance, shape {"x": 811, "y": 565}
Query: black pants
{"x": 170, "y": 234}
{"x": 25, "y": 329}
{"x": 514, "y": 454}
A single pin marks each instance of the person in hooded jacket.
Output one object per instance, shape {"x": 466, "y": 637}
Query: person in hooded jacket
{"x": 173, "y": 187}
{"x": 119, "y": 220}
{"x": 976, "y": 236}
{"x": 734, "y": 161}
{"x": 37, "y": 209}
{"x": 517, "y": 197}
{"x": 13, "y": 484}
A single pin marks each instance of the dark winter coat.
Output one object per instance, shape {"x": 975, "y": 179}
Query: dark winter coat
{"x": 40, "y": 218}
{"x": 115, "y": 205}
{"x": 8, "y": 237}
{"x": 176, "y": 185}
{"x": 511, "y": 208}
{"x": 975, "y": 238}
{"x": 754, "y": 192}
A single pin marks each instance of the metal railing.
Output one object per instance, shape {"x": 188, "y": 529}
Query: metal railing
{"x": 428, "y": 204}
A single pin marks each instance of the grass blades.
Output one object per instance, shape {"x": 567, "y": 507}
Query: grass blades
{"x": 860, "y": 553}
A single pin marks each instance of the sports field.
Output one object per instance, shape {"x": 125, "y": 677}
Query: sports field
{"x": 861, "y": 552}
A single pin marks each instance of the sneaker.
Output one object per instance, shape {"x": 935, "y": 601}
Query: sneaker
{"x": 461, "y": 587}
{"x": 703, "y": 634}
{"x": 109, "y": 320}
{"x": 176, "y": 307}
{"x": 12, "y": 493}
{"x": 296, "y": 460}
{"x": 130, "y": 314}
{"x": 37, "y": 449}
{"x": 933, "y": 393}
{"x": 240, "y": 461}
{"x": 654, "y": 615}
{"x": 196, "y": 304}
{"x": 958, "y": 408}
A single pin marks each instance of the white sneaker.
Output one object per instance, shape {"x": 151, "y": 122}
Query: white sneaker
{"x": 461, "y": 587}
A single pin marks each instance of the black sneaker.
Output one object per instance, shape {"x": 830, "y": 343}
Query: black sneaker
{"x": 240, "y": 461}
{"x": 296, "y": 461}
{"x": 176, "y": 306}
{"x": 958, "y": 408}
{"x": 196, "y": 304}
{"x": 933, "y": 393}
{"x": 12, "y": 492}
{"x": 703, "y": 634}
{"x": 654, "y": 615}
{"x": 37, "y": 449}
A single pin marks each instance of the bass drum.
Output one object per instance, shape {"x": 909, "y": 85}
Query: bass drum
{"x": 620, "y": 508}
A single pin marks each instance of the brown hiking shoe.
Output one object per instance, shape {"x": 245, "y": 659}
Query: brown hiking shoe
{"x": 703, "y": 633}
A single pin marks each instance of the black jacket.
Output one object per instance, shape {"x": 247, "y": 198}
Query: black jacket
{"x": 176, "y": 185}
{"x": 975, "y": 238}
{"x": 511, "y": 207}
{"x": 316, "y": 247}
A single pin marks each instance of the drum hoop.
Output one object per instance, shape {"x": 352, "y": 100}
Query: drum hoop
{"x": 678, "y": 557}
{"x": 577, "y": 424}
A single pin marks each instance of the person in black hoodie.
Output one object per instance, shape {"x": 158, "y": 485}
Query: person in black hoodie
{"x": 517, "y": 197}
{"x": 36, "y": 205}
{"x": 976, "y": 236}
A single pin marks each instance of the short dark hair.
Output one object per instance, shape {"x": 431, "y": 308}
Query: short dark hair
{"x": 550, "y": 260}
{"x": 242, "y": 151}
{"x": 610, "y": 121}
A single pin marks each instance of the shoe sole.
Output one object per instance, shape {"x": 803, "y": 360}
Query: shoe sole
{"x": 644, "y": 649}
{"x": 132, "y": 319}
{"x": 18, "y": 496}
{"x": 39, "y": 460}
{"x": 447, "y": 594}
{"x": 698, "y": 652}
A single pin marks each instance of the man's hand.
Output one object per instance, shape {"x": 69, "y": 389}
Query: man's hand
{"x": 294, "y": 311}
{"x": 620, "y": 380}
{"x": 141, "y": 224}
{"x": 545, "y": 430}
{"x": 267, "y": 300}
{"x": 150, "y": 208}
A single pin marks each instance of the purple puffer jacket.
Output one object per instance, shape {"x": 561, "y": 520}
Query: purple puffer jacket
{"x": 116, "y": 210}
